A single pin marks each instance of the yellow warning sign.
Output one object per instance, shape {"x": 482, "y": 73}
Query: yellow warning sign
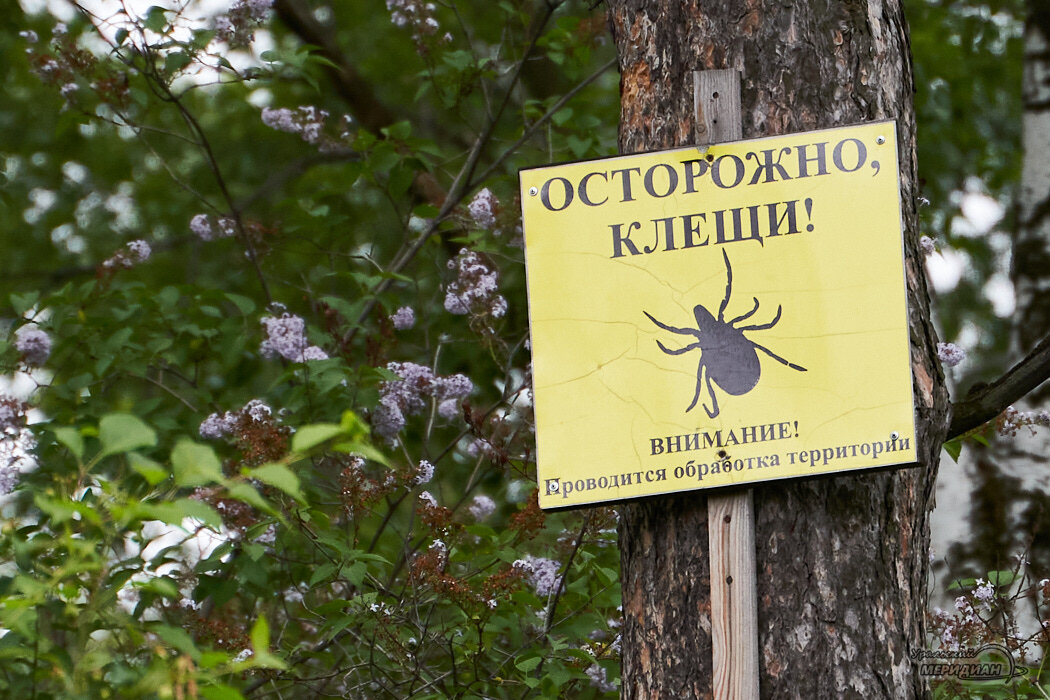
{"x": 710, "y": 317}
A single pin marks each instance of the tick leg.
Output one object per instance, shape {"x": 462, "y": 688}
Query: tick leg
{"x": 712, "y": 412}
{"x": 779, "y": 359}
{"x": 729, "y": 287}
{"x": 679, "y": 351}
{"x": 680, "y": 331}
{"x": 746, "y": 316}
{"x": 699, "y": 385}
{"x": 764, "y": 326}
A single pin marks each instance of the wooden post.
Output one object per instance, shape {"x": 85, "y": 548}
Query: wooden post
{"x": 730, "y": 516}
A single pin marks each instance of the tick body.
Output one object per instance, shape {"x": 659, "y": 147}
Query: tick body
{"x": 728, "y": 359}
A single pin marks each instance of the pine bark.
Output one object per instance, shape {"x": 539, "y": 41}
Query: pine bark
{"x": 842, "y": 561}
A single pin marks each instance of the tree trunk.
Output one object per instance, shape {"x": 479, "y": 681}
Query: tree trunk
{"x": 842, "y": 560}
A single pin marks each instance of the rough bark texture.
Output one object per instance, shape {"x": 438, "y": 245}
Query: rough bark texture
{"x": 842, "y": 561}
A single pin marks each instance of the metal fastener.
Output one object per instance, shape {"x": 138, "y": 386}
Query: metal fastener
{"x": 880, "y": 140}
{"x": 533, "y": 191}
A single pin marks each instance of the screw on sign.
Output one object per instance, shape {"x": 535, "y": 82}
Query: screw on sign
{"x": 728, "y": 358}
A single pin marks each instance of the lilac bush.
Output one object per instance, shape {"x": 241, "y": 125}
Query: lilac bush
{"x": 279, "y": 358}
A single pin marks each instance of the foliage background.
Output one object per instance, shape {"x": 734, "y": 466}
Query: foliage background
{"x": 142, "y": 559}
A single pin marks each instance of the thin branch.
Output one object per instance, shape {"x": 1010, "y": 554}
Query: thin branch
{"x": 355, "y": 90}
{"x": 988, "y": 402}
{"x": 460, "y": 186}
{"x": 292, "y": 170}
{"x": 534, "y": 127}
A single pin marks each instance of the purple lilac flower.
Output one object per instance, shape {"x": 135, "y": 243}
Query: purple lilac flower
{"x": 424, "y": 473}
{"x": 286, "y": 337}
{"x": 200, "y": 225}
{"x": 388, "y": 419}
{"x": 307, "y": 121}
{"x": 542, "y": 573}
{"x": 927, "y": 245}
{"x": 33, "y": 344}
{"x": 313, "y": 352}
{"x": 205, "y": 229}
{"x": 483, "y": 209}
{"x": 454, "y": 386}
{"x": 416, "y": 15}
{"x": 985, "y": 593}
{"x": 598, "y": 678}
{"x": 140, "y": 251}
{"x": 950, "y": 354}
{"x": 449, "y": 409}
{"x": 127, "y": 257}
{"x": 428, "y": 499}
{"x": 439, "y": 548}
{"x": 479, "y": 447}
{"x": 404, "y": 318}
{"x": 16, "y": 442}
{"x": 217, "y": 426}
{"x": 407, "y": 395}
{"x": 416, "y": 381}
{"x": 482, "y": 507}
{"x": 474, "y": 291}
{"x": 237, "y": 27}
{"x": 30, "y": 36}
{"x": 1012, "y": 420}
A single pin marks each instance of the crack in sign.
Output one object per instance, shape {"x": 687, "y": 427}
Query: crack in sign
{"x": 728, "y": 359}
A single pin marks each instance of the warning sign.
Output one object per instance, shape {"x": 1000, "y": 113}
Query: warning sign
{"x": 706, "y": 317}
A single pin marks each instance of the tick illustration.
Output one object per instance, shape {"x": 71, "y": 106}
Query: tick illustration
{"x": 728, "y": 359}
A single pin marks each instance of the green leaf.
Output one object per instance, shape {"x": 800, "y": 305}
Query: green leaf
{"x": 178, "y": 638}
{"x": 280, "y": 477}
{"x": 220, "y": 692}
{"x": 527, "y": 665}
{"x": 323, "y": 572}
{"x": 176, "y": 61}
{"x": 260, "y": 634}
{"x": 123, "y": 432}
{"x": 24, "y": 302}
{"x": 1002, "y": 577}
{"x": 953, "y": 448}
{"x": 152, "y": 472}
{"x": 72, "y": 439}
{"x": 155, "y": 19}
{"x": 312, "y": 435}
{"x": 194, "y": 464}
{"x": 247, "y": 493}
{"x": 245, "y": 305}
{"x": 261, "y": 656}
{"x": 355, "y": 573}
{"x": 61, "y": 510}
{"x": 562, "y": 116}
{"x": 199, "y": 510}
{"x": 162, "y": 586}
{"x": 399, "y": 131}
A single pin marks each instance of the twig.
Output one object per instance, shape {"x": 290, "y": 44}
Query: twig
{"x": 535, "y": 126}
{"x": 988, "y": 402}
